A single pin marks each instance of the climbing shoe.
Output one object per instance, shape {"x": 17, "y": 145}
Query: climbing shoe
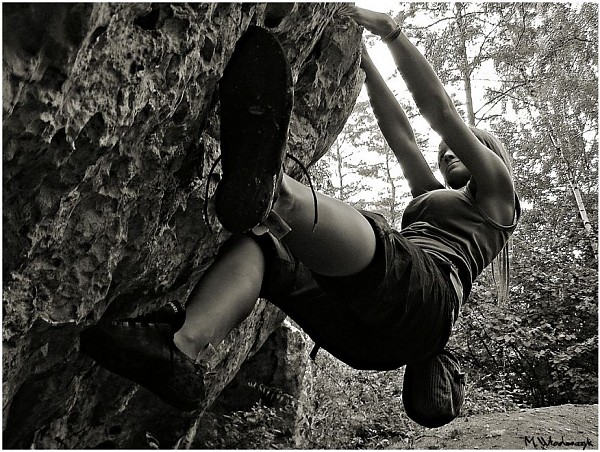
{"x": 144, "y": 352}
{"x": 256, "y": 98}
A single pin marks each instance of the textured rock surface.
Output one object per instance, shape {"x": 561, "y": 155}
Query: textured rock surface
{"x": 279, "y": 375}
{"x": 109, "y": 128}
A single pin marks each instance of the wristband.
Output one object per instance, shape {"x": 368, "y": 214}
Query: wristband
{"x": 393, "y": 35}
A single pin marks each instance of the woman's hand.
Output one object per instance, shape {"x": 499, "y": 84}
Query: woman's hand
{"x": 377, "y": 23}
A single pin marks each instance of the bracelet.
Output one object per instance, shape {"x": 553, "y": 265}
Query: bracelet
{"x": 393, "y": 35}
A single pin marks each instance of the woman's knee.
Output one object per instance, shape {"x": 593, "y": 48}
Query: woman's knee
{"x": 240, "y": 242}
{"x": 244, "y": 254}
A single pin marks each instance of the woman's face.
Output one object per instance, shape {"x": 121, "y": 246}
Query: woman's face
{"x": 455, "y": 173}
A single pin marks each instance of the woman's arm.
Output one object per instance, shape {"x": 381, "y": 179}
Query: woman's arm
{"x": 494, "y": 183}
{"x": 397, "y": 131}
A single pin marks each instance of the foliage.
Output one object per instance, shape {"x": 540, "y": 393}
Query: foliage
{"x": 352, "y": 409}
{"x": 553, "y": 82}
{"x": 336, "y": 174}
{"x": 267, "y": 425}
{"x": 541, "y": 348}
{"x": 357, "y": 409}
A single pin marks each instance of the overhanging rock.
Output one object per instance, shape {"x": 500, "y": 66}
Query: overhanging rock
{"x": 110, "y": 127}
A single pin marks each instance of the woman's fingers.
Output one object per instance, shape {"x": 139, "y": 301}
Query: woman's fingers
{"x": 377, "y": 23}
{"x": 346, "y": 10}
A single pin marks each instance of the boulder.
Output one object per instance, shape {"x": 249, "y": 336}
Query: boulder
{"x": 270, "y": 402}
{"x": 110, "y": 127}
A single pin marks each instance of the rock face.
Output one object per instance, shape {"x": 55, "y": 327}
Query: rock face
{"x": 110, "y": 127}
{"x": 278, "y": 376}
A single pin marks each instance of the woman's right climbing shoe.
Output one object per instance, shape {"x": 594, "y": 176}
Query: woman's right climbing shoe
{"x": 144, "y": 352}
{"x": 256, "y": 95}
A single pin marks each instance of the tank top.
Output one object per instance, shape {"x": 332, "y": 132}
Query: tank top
{"x": 451, "y": 227}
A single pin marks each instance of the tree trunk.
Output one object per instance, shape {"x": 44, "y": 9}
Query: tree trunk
{"x": 340, "y": 169}
{"x": 587, "y": 225}
{"x": 465, "y": 67}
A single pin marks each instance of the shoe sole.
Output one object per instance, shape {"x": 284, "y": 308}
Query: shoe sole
{"x": 256, "y": 94}
{"x": 121, "y": 358}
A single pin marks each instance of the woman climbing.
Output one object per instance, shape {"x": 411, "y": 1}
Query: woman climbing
{"x": 374, "y": 297}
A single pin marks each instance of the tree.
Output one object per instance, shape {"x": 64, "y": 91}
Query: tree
{"x": 339, "y": 164}
{"x": 362, "y": 169}
{"x": 456, "y": 41}
{"x": 549, "y": 76}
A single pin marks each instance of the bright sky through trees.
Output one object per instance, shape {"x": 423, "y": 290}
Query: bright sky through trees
{"x": 385, "y": 64}
{"x": 482, "y": 78}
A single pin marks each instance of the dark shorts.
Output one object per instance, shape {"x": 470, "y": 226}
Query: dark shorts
{"x": 398, "y": 310}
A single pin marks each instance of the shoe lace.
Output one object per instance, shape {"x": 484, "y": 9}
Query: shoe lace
{"x": 290, "y": 156}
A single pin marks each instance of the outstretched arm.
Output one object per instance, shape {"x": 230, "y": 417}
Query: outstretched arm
{"x": 495, "y": 187}
{"x": 397, "y": 131}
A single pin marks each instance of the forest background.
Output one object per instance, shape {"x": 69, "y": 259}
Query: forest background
{"x": 526, "y": 72}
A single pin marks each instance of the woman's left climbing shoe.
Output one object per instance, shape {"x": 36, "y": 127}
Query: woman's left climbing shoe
{"x": 144, "y": 352}
{"x": 256, "y": 96}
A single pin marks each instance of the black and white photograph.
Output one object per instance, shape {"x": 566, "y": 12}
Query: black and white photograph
{"x": 313, "y": 225}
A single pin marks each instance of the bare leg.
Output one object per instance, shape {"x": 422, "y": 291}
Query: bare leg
{"x": 224, "y": 297}
{"x": 343, "y": 242}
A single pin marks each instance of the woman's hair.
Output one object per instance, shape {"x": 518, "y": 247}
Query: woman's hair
{"x": 501, "y": 264}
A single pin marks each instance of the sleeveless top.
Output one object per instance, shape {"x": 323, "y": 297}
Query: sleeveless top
{"x": 451, "y": 227}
